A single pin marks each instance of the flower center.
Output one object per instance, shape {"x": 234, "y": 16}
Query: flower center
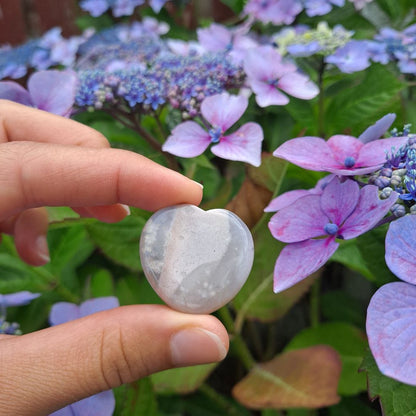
{"x": 331, "y": 228}
{"x": 349, "y": 162}
{"x": 215, "y": 133}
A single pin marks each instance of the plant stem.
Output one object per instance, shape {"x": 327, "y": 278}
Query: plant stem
{"x": 237, "y": 343}
{"x": 321, "y": 100}
{"x": 314, "y": 303}
{"x": 214, "y": 396}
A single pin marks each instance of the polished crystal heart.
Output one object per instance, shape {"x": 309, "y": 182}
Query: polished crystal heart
{"x": 196, "y": 260}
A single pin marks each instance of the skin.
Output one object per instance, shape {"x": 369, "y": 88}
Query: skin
{"x": 47, "y": 160}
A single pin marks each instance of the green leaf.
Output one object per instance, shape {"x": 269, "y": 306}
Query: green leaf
{"x": 396, "y": 399}
{"x": 352, "y": 406}
{"x": 15, "y": 275}
{"x": 337, "y": 305}
{"x": 372, "y": 248}
{"x": 69, "y": 248}
{"x": 136, "y": 399}
{"x": 348, "y": 341}
{"x": 135, "y": 289}
{"x": 101, "y": 284}
{"x": 181, "y": 380}
{"x": 235, "y": 5}
{"x": 120, "y": 241}
{"x": 360, "y": 106}
{"x": 349, "y": 255}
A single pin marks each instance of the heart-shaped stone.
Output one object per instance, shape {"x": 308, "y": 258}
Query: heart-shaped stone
{"x": 196, "y": 260}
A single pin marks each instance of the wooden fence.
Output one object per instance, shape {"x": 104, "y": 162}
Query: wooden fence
{"x": 22, "y": 19}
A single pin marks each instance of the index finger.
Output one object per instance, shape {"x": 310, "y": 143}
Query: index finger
{"x": 22, "y": 123}
{"x": 38, "y": 174}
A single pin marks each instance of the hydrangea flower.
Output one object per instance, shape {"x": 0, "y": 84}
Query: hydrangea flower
{"x": 11, "y": 300}
{"x": 273, "y": 11}
{"x": 52, "y": 91}
{"x": 218, "y": 38}
{"x": 102, "y": 404}
{"x": 341, "y": 154}
{"x": 221, "y": 111}
{"x": 321, "y": 7}
{"x": 288, "y": 198}
{"x": 268, "y": 75}
{"x": 392, "y": 310}
{"x": 352, "y": 57}
{"x": 313, "y": 223}
{"x": 118, "y": 7}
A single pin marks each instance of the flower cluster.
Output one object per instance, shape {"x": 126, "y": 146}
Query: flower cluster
{"x": 338, "y": 207}
{"x": 285, "y": 11}
{"x": 118, "y": 7}
{"x": 301, "y": 41}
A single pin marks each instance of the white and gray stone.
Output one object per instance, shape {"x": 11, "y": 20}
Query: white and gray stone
{"x": 196, "y": 260}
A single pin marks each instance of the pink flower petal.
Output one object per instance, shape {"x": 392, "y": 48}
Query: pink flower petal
{"x": 267, "y": 94}
{"x": 391, "y": 330}
{"x": 53, "y": 91}
{"x": 299, "y": 260}
{"x": 223, "y": 110}
{"x": 243, "y": 145}
{"x": 264, "y": 64}
{"x": 298, "y": 85}
{"x": 374, "y": 153}
{"x": 286, "y": 199}
{"x": 339, "y": 199}
{"x": 345, "y": 147}
{"x": 369, "y": 211}
{"x": 401, "y": 248}
{"x": 62, "y": 312}
{"x": 214, "y": 38}
{"x": 12, "y": 91}
{"x": 299, "y": 221}
{"x": 188, "y": 139}
{"x": 308, "y": 152}
{"x": 98, "y": 304}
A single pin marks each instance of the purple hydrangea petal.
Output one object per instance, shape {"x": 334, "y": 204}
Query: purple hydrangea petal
{"x": 267, "y": 94}
{"x": 339, "y": 199}
{"x": 391, "y": 330}
{"x": 12, "y": 91}
{"x": 188, "y": 139}
{"x": 53, "y": 91}
{"x": 18, "y": 298}
{"x": 352, "y": 57}
{"x": 102, "y": 404}
{"x": 344, "y": 147}
{"x": 157, "y": 5}
{"x": 215, "y": 37}
{"x": 374, "y": 153}
{"x": 401, "y": 248}
{"x": 223, "y": 110}
{"x": 369, "y": 211}
{"x": 62, "y": 312}
{"x": 95, "y": 7}
{"x": 308, "y": 152}
{"x": 298, "y": 85}
{"x": 301, "y": 220}
{"x": 98, "y": 304}
{"x": 378, "y": 129}
{"x": 299, "y": 260}
{"x": 243, "y": 145}
{"x": 286, "y": 199}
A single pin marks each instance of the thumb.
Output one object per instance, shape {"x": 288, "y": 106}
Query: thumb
{"x": 49, "y": 369}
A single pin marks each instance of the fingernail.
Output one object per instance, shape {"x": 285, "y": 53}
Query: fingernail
{"x": 42, "y": 248}
{"x": 126, "y": 208}
{"x": 196, "y": 346}
{"x": 200, "y": 184}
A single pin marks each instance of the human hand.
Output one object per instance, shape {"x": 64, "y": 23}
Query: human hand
{"x": 47, "y": 160}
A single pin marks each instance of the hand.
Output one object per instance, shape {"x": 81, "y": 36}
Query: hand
{"x": 46, "y": 160}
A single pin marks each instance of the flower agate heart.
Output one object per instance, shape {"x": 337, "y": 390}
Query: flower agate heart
{"x": 196, "y": 260}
